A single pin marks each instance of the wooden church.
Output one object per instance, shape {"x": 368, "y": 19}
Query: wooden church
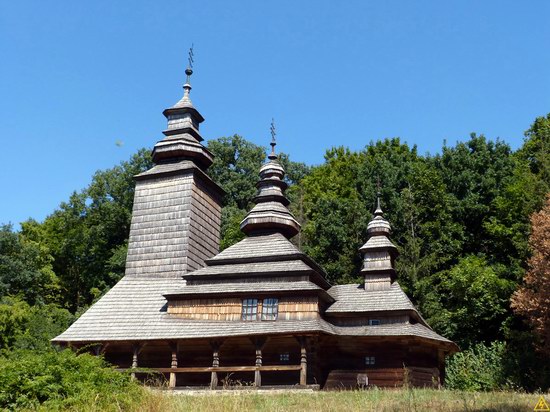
{"x": 261, "y": 312}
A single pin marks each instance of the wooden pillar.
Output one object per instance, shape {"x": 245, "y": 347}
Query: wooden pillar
{"x": 215, "y": 363}
{"x": 259, "y": 344}
{"x": 98, "y": 349}
{"x": 303, "y": 360}
{"x": 174, "y": 363}
{"x": 441, "y": 367}
{"x": 136, "y": 350}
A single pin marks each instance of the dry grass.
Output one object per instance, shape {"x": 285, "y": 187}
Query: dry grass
{"x": 372, "y": 400}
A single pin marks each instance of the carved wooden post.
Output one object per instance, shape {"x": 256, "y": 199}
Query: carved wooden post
{"x": 303, "y": 361}
{"x": 441, "y": 368}
{"x": 259, "y": 343}
{"x": 174, "y": 363}
{"x": 98, "y": 349}
{"x": 215, "y": 363}
{"x": 137, "y": 348}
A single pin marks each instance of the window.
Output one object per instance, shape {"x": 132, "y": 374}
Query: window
{"x": 270, "y": 309}
{"x": 370, "y": 360}
{"x": 250, "y": 309}
{"x": 374, "y": 322}
{"x": 284, "y": 357}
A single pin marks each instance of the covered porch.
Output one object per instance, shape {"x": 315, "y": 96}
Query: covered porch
{"x": 222, "y": 363}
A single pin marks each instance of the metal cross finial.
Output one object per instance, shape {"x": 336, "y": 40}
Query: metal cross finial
{"x": 273, "y": 142}
{"x": 190, "y": 58}
{"x": 273, "y": 131}
{"x": 378, "y": 211}
{"x": 189, "y": 70}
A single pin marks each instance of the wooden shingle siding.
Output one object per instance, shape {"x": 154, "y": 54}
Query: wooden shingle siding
{"x": 154, "y": 246}
{"x": 175, "y": 225}
{"x": 229, "y": 309}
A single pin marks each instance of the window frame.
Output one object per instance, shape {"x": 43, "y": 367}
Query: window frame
{"x": 270, "y": 311}
{"x": 374, "y": 322}
{"x": 370, "y": 360}
{"x": 249, "y": 309}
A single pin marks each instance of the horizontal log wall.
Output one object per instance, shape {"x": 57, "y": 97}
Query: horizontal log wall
{"x": 290, "y": 308}
{"x": 398, "y": 361}
{"x": 351, "y": 379}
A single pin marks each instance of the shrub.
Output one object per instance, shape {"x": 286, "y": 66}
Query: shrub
{"x": 480, "y": 368}
{"x": 30, "y": 327}
{"x": 63, "y": 380}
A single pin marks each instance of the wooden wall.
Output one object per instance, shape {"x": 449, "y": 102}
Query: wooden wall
{"x": 204, "y": 228}
{"x": 364, "y": 320}
{"x": 398, "y": 361}
{"x": 290, "y": 308}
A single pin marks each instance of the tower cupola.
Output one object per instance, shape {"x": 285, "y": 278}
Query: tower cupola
{"x": 270, "y": 214}
{"x": 378, "y": 253}
{"x": 182, "y": 141}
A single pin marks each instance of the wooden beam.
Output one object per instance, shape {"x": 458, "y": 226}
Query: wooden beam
{"x": 173, "y": 364}
{"x": 199, "y": 369}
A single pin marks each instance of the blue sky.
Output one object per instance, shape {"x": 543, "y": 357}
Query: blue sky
{"x": 76, "y": 77}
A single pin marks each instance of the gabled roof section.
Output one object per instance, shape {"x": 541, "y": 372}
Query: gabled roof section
{"x": 395, "y": 329}
{"x": 237, "y": 288}
{"x": 270, "y": 254}
{"x": 253, "y": 268}
{"x": 256, "y": 247}
{"x": 354, "y": 298}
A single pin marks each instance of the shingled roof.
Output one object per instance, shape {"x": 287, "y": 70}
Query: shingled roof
{"x": 255, "y": 247}
{"x": 135, "y": 309}
{"x": 263, "y": 254}
{"x": 220, "y": 288}
{"x": 354, "y": 298}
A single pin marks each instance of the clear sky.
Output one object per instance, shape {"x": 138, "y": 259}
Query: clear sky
{"x": 77, "y": 77}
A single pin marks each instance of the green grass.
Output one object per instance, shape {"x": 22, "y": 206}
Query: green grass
{"x": 371, "y": 400}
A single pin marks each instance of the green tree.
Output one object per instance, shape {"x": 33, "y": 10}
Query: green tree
{"x": 536, "y": 148}
{"x": 87, "y": 235}
{"x": 507, "y": 229}
{"x": 474, "y": 173}
{"x": 26, "y": 268}
{"x": 480, "y": 368}
{"x": 30, "y": 327}
{"x": 468, "y": 303}
{"x": 339, "y": 197}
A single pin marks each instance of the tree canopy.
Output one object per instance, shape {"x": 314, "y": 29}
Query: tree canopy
{"x": 461, "y": 220}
